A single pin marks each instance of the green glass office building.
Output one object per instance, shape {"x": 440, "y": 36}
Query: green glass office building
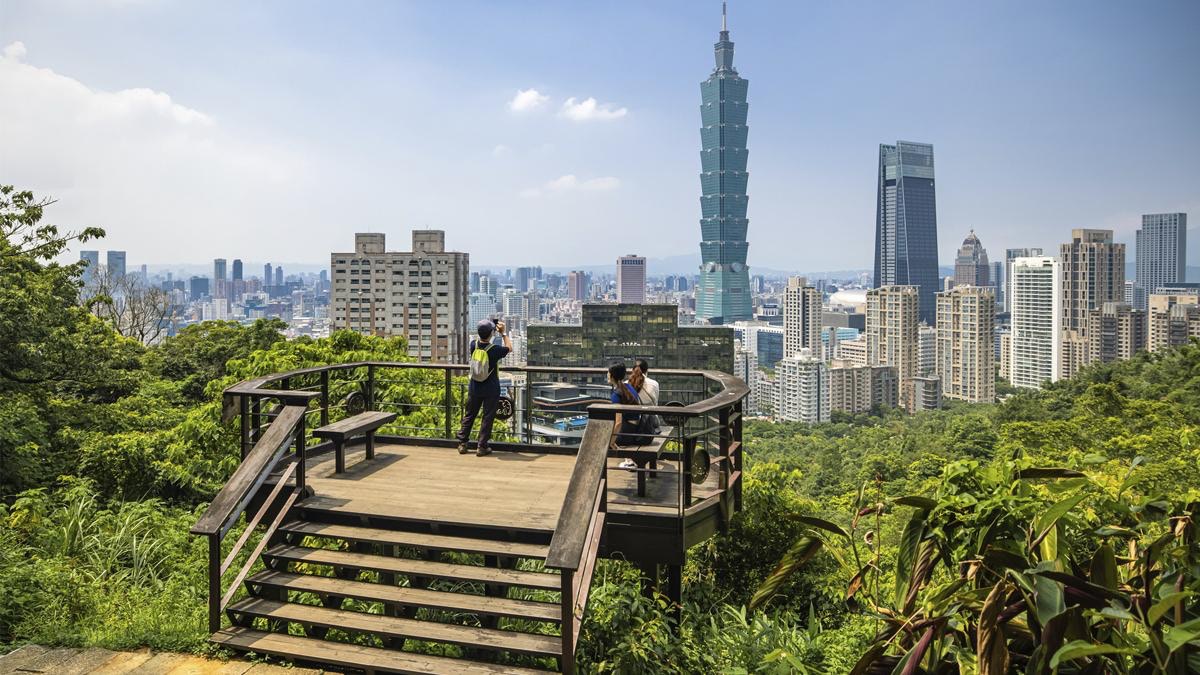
{"x": 723, "y": 293}
{"x": 626, "y": 332}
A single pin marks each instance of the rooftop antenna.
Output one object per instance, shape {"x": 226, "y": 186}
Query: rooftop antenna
{"x": 724, "y": 28}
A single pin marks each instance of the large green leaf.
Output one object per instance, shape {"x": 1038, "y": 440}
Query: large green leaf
{"x": 1051, "y": 516}
{"x": 821, "y": 523}
{"x": 1049, "y": 472}
{"x": 915, "y": 500}
{"x": 906, "y": 554}
{"x": 1104, "y": 567}
{"x": 1166, "y": 604}
{"x": 1078, "y": 649}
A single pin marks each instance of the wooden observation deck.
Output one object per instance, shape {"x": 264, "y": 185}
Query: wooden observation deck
{"x": 416, "y": 559}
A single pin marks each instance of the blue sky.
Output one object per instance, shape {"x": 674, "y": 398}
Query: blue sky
{"x": 274, "y": 130}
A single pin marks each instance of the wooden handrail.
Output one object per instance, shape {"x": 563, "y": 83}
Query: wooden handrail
{"x": 570, "y": 534}
{"x": 250, "y": 474}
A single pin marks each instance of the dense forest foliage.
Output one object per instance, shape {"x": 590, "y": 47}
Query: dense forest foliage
{"x": 1052, "y": 532}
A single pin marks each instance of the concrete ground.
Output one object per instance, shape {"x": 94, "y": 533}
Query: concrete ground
{"x": 32, "y": 659}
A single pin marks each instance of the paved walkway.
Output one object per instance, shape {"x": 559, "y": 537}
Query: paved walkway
{"x": 32, "y": 659}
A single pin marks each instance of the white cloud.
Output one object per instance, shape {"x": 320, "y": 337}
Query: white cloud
{"x": 500, "y": 150}
{"x": 588, "y": 110}
{"x": 527, "y": 100}
{"x": 138, "y": 163}
{"x": 15, "y": 51}
{"x": 571, "y": 183}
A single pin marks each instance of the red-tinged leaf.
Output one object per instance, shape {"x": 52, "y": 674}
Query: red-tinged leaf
{"x": 869, "y": 660}
{"x": 991, "y": 646}
{"x": 799, "y": 553}
{"x": 856, "y": 583}
{"x": 907, "y": 554}
{"x": 1087, "y": 587}
{"x": 912, "y": 660}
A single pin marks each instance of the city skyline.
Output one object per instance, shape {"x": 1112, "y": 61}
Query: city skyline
{"x": 555, "y": 160}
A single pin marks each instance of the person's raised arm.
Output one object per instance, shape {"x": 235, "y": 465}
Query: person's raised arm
{"x": 504, "y": 334}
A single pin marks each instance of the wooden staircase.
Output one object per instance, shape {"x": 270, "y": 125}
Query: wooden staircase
{"x": 401, "y": 596}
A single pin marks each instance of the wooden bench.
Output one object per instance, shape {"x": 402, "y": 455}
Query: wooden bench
{"x": 366, "y": 423}
{"x": 646, "y": 455}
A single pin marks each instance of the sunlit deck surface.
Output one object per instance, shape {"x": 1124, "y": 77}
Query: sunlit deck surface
{"x": 511, "y": 490}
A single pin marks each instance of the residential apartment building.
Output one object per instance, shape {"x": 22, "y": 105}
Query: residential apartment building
{"x": 1035, "y": 334}
{"x": 422, "y": 294}
{"x": 891, "y": 337}
{"x": 1174, "y": 319}
{"x": 801, "y": 318}
{"x": 1115, "y": 332}
{"x": 803, "y": 384}
{"x": 1093, "y": 273}
{"x": 966, "y": 333}
{"x": 857, "y": 389}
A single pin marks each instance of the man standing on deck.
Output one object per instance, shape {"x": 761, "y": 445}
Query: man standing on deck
{"x": 484, "y": 393}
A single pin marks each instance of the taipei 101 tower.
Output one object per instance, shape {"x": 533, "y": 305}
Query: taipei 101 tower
{"x": 723, "y": 293}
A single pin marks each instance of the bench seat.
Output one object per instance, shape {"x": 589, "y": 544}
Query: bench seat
{"x": 362, "y": 424}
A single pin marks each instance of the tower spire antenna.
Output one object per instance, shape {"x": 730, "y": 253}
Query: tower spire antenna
{"x": 724, "y": 26}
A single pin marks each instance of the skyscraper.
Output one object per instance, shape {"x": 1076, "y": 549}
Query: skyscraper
{"x": 723, "y": 291}
{"x": 577, "y": 285}
{"x": 279, "y": 278}
{"x": 92, "y": 258}
{"x": 116, "y": 264}
{"x": 891, "y": 335}
{"x": 1093, "y": 273}
{"x": 971, "y": 266}
{"x": 906, "y": 222}
{"x": 966, "y": 356}
{"x": 631, "y": 279}
{"x": 268, "y": 275}
{"x": 1161, "y": 254}
{"x": 237, "y": 269}
{"x": 801, "y": 318}
{"x": 1009, "y": 256}
{"x": 219, "y": 270}
{"x": 1036, "y": 325}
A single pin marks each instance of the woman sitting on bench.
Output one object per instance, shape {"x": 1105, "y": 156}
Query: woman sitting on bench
{"x": 630, "y": 429}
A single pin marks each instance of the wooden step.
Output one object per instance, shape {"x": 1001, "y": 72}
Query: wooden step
{"x": 394, "y": 627}
{"x": 434, "y": 542}
{"x": 355, "y": 656}
{"x": 418, "y": 568}
{"x": 383, "y": 507}
{"x": 413, "y": 597}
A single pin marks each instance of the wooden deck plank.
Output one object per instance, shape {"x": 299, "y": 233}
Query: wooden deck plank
{"x": 413, "y": 597}
{"x": 436, "y": 542}
{"x": 508, "y": 490}
{"x": 356, "y": 656}
{"x": 420, "y": 568}
{"x": 388, "y": 626}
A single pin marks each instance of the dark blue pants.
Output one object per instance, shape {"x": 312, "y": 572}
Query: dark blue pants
{"x": 489, "y": 404}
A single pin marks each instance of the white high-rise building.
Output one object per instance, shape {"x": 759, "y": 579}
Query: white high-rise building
{"x": 421, "y": 294}
{"x": 801, "y": 318}
{"x": 927, "y": 347}
{"x": 483, "y": 306}
{"x": 1161, "y": 254}
{"x": 1009, "y": 256}
{"x": 1035, "y": 332}
{"x": 803, "y": 384}
{"x": 631, "y": 279}
{"x": 745, "y": 366}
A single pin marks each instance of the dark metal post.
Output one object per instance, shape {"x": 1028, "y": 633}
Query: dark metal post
{"x": 528, "y": 411}
{"x": 256, "y": 420}
{"x": 301, "y": 430}
{"x": 244, "y": 417}
{"x": 567, "y": 626}
{"x": 324, "y": 397}
{"x": 370, "y": 387}
{"x": 448, "y": 403}
{"x": 214, "y": 583}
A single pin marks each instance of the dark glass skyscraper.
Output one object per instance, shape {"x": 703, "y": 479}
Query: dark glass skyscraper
{"x": 723, "y": 291}
{"x": 906, "y": 222}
